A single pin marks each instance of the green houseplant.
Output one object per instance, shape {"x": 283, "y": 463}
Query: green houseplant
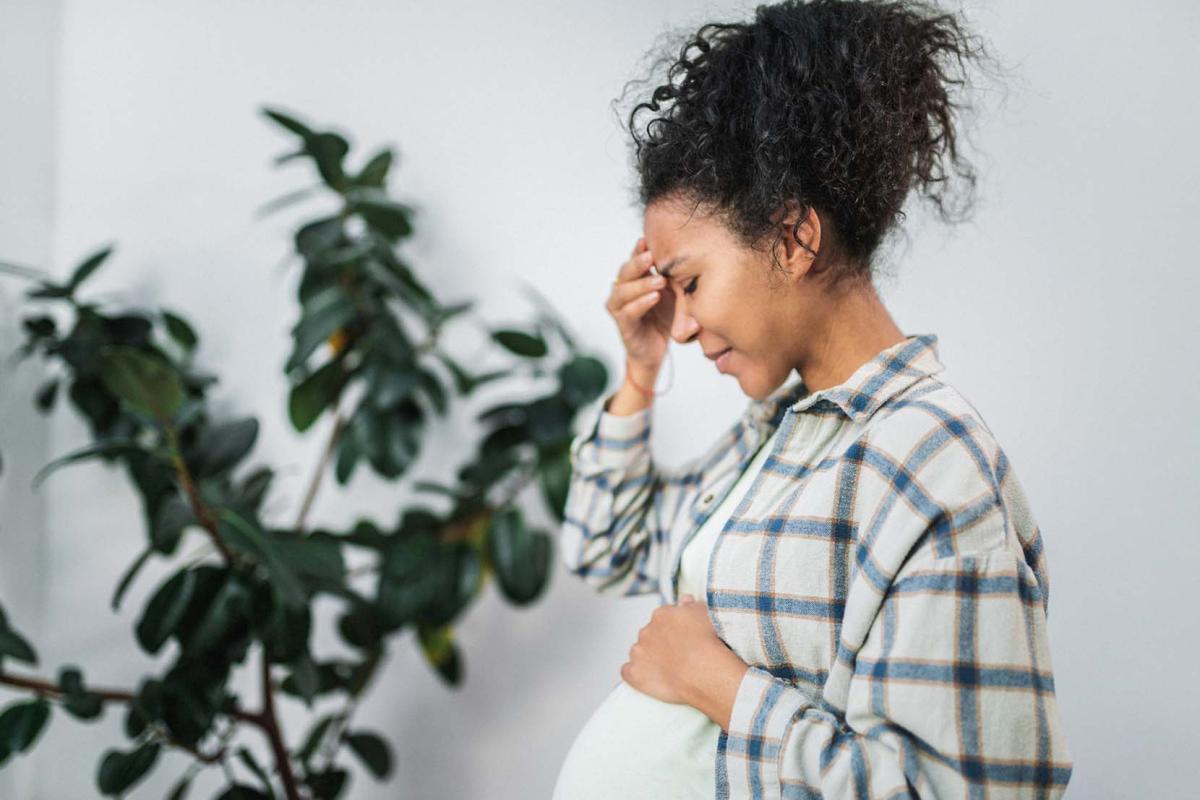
{"x": 368, "y": 351}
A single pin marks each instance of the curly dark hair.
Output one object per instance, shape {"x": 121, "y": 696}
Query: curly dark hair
{"x": 839, "y": 105}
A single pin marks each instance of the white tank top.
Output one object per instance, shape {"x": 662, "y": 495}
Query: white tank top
{"x": 636, "y": 747}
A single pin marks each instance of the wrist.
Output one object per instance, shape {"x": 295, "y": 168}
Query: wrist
{"x": 715, "y": 686}
{"x": 641, "y": 379}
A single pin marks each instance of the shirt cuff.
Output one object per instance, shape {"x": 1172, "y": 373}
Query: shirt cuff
{"x": 763, "y": 711}
{"x": 615, "y": 441}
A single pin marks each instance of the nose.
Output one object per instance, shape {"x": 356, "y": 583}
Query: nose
{"x": 684, "y": 327}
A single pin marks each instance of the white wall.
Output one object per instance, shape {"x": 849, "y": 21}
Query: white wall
{"x": 28, "y": 96}
{"x": 1078, "y": 356}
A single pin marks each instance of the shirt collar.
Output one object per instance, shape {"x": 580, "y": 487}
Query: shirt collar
{"x": 888, "y": 373}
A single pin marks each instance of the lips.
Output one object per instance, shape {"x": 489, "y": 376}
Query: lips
{"x": 718, "y": 354}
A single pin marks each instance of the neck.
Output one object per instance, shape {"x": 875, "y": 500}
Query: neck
{"x": 856, "y": 326}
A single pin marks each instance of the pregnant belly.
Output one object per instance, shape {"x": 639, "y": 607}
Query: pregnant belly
{"x": 635, "y": 746}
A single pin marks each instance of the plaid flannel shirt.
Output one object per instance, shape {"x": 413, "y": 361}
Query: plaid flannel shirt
{"x": 884, "y": 580}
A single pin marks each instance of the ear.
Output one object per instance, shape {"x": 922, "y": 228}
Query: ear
{"x": 795, "y": 259}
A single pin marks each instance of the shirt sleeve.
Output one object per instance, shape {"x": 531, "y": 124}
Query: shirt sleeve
{"x": 620, "y": 505}
{"x": 947, "y": 664}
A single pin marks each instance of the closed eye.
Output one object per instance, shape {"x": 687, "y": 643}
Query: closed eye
{"x": 691, "y": 287}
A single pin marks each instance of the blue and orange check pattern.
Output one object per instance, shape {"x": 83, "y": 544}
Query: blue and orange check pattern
{"x": 884, "y": 578}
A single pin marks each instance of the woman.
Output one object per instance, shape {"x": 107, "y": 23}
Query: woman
{"x": 854, "y": 587}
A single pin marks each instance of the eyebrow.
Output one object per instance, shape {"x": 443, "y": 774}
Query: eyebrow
{"x": 665, "y": 269}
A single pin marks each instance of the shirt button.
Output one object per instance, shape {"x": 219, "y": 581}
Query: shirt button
{"x": 708, "y": 498}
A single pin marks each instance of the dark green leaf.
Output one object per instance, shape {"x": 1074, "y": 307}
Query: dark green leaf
{"x": 489, "y": 468}
{"x": 120, "y": 770}
{"x": 347, "y": 459}
{"x": 328, "y": 151}
{"x": 174, "y": 516}
{"x": 520, "y": 558}
{"x": 373, "y": 751}
{"x": 129, "y": 329}
{"x": 105, "y": 447}
{"x": 313, "y": 740}
{"x": 388, "y": 382}
{"x": 70, "y": 680}
{"x": 583, "y": 380}
{"x": 46, "y": 395}
{"x": 226, "y": 614}
{"x": 127, "y": 579}
{"x": 40, "y": 327}
{"x": 317, "y": 554}
{"x": 386, "y": 216}
{"x": 361, "y": 627}
{"x": 306, "y": 678}
{"x": 244, "y": 536}
{"x": 283, "y": 629}
{"x": 21, "y": 724}
{"x": 180, "y": 330}
{"x": 84, "y": 706}
{"x": 49, "y": 291}
{"x": 407, "y": 578}
{"x": 285, "y": 200}
{"x": 504, "y": 438}
{"x": 79, "y": 702}
{"x": 289, "y": 122}
{"x": 89, "y": 265}
{"x": 448, "y": 312}
{"x": 165, "y": 611}
{"x": 554, "y": 476}
{"x": 432, "y": 386}
{"x": 13, "y": 645}
{"x": 550, "y": 420}
{"x": 327, "y": 785}
{"x": 181, "y": 789}
{"x": 223, "y": 445}
{"x": 374, "y": 174}
{"x": 323, "y": 316}
{"x": 441, "y": 652}
{"x": 401, "y": 430}
{"x": 249, "y": 496}
{"x": 520, "y": 343}
{"x": 146, "y": 384}
{"x": 316, "y": 238}
{"x": 309, "y": 398}
{"x": 248, "y": 759}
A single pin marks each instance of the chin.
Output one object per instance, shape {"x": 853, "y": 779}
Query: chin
{"x": 758, "y": 387}
{"x": 754, "y": 389}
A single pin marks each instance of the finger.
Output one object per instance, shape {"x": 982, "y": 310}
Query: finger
{"x": 636, "y": 309}
{"x": 623, "y": 293}
{"x": 636, "y": 267}
{"x": 639, "y": 247}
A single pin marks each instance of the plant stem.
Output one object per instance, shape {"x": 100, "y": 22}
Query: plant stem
{"x": 44, "y": 688}
{"x": 339, "y": 426}
{"x": 189, "y": 488}
{"x": 270, "y": 725}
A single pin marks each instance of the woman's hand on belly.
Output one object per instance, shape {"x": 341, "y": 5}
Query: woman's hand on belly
{"x": 678, "y": 658}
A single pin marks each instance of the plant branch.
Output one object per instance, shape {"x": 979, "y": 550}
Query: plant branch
{"x": 198, "y": 508}
{"x": 270, "y": 725}
{"x": 44, "y": 688}
{"x": 339, "y": 426}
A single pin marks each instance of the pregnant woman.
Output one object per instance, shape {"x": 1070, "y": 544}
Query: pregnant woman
{"x": 854, "y": 588}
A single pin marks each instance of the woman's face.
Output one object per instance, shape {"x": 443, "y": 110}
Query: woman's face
{"x": 724, "y": 296}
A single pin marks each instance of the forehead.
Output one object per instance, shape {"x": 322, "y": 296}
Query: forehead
{"x": 672, "y": 227}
